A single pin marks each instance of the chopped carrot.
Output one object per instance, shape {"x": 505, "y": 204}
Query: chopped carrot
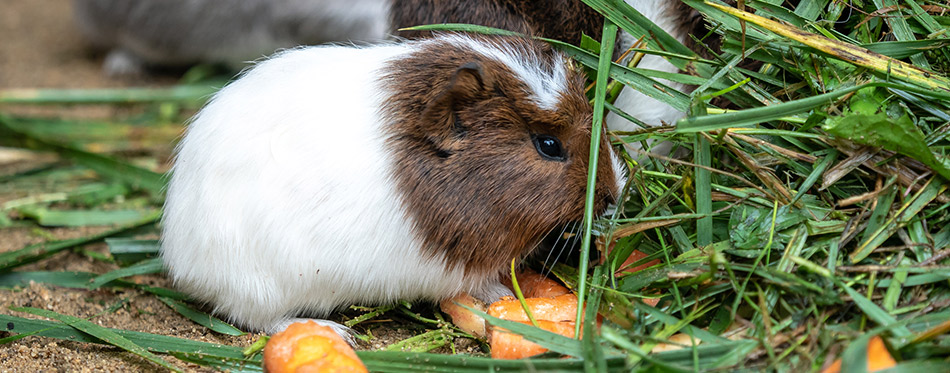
{"x": 633, "y": 258}
{"x": 506, "y": 345}
{"x": 463, "y": 318}
{"x": 878, "y": 358}
{"x": 533, "y": 285}
{"x": 559, "y": 308}
{"x": 310, "y": 347}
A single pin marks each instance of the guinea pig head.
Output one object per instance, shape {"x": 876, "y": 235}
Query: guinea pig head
{"x": 491, "y": 138}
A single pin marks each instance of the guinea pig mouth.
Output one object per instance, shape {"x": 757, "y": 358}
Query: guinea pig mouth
{"x": 563, "y": 245}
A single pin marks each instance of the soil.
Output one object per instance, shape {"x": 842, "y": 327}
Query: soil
{"x": 41, "y": 48}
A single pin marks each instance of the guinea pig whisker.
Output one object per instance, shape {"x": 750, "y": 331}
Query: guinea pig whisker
{"x": 565, "y": 243}
{"x": 553, "y": 248}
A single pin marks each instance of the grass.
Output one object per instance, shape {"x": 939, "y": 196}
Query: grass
{"x": 809, "y": 215}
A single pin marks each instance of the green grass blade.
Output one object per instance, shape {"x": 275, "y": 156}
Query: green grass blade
{"x": 102, "y": 333}
{"x": 195, "y": 93}
{"x": 202, "y": 318}
{"x": 148, "y": 266}
{"x": 84, "y": 218}
{"x": 600, "y": 96}
{"x": 108, "y": 167}
{"x": 130, "y": 250}
{"x": 152, "y": 342}
{"x": 875, "y": 313}
{"x": 36, "y": 252}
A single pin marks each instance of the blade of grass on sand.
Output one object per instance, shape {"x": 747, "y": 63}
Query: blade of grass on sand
{"x": 67, "y": 279}
{"x": 105, "y": 166}
{"x": 39, "y": 251}
{"x": 78, "y": 280}
{"x": 100, "y": 332}
{"x": 83, "y": 218}
{"x": 148, "y": 266}
{"x": 152, "y": 342}
{"x": 130, "y": 250}
{"x": 202, "y": 318}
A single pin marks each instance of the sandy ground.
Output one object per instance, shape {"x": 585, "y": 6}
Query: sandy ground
{"x": 41, "y": 48}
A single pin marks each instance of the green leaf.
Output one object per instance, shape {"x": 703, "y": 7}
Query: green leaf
{"x": 866, "y": 124}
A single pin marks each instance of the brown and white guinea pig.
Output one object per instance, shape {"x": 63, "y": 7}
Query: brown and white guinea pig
{"x": 164, "y": 33}
{"x": 337, "y": 175}
{"x": 565, "y": 20}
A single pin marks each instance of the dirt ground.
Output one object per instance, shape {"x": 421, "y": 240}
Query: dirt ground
{"x": 41, "y": 48}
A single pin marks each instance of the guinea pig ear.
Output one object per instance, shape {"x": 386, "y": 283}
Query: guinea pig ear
{"x": 467, "y": 83}
{"x": 468, "y": 79}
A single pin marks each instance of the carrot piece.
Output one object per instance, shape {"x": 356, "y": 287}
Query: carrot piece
{"x": 463, "y": 318}
{"x": 506, "y": 345}
{"x": 633, "y": 258}
{"x": 310, "y": 347}
{"x": 878, "y": 358}
{"x": 533, "y": 285}
{"x": 559, "y": 308}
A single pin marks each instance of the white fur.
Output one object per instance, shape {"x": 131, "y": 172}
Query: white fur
{"x": 635, "y": 103}
{"x": 281, "y": 200}
{"x": 545, "y": 86}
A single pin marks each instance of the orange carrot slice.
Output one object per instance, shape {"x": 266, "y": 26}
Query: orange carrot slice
{"x": 559, "y": 308}
{"x": 505, "y": 345}
{"x": 463, "y": 318}
{"x": 533, "y": 285}
{"x": 310, "y": 347}
{"x": 633, "y": 258}
{"x": 878, "y": 358}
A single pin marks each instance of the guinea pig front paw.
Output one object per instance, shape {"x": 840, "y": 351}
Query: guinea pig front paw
{"x": 492, "y": 292}
{"x": 343, "y": 331}
{"x": 121, "y": 63}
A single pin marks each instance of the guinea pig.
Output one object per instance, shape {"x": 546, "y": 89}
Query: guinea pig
{"x": 336, "y": 175}
{"x": 162, "y": 33}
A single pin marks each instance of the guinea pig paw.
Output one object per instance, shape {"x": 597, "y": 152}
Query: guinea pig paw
{"x": 122, "y": 63}
{"x": 342, "y": 330}
{"x": 492, "y": 291}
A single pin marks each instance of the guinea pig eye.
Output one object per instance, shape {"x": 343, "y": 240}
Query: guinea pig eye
{"x": 549, "y": 147}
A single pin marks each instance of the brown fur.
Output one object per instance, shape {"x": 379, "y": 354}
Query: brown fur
{"x": 563, "y": 20}
{"x": 474, "y": 184}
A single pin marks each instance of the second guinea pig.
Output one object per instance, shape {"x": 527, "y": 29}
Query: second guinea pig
{"x": 337, "y": 175}
{"x": 162, "y": 33}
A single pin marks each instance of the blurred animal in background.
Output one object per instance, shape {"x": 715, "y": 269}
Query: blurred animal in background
{"x": 138, "y": 34}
